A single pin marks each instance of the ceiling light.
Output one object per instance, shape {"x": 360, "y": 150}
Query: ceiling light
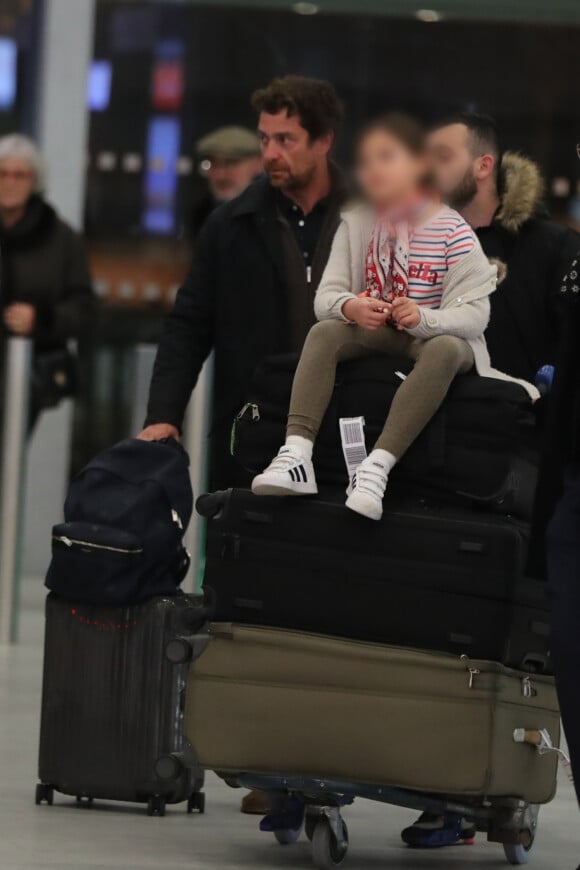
{"x": 430, "y": 16}
{"x": 305, "y": 8}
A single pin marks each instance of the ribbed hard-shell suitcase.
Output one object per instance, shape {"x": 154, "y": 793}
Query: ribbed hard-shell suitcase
{"x": 282, "y": 702}
{"x": 427, "y": 576}
{"x": 112, "y": 704}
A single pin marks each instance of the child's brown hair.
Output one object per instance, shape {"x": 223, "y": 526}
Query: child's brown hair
{"x": 408, "y": 130}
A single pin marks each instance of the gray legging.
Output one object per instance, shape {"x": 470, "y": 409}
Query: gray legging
{"x": 437, "y": 361}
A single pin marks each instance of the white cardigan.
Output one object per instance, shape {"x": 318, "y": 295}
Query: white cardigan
{"x": 465, "y": 307}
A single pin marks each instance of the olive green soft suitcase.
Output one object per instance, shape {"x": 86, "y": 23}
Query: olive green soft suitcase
{"x": 275, "y": 701}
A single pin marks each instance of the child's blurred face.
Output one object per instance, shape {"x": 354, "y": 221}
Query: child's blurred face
{"x": 388, "y": 171}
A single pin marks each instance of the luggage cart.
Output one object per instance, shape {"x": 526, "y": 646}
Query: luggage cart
{"x": 314, "y": 806}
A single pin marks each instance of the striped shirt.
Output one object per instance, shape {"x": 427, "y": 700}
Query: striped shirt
{"x": 434, "y": 248}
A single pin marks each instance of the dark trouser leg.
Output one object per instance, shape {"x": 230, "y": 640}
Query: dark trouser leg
{"x": 564, "y": 574}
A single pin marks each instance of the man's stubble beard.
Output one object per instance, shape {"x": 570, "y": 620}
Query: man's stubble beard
{"x": 465, "y": 192}
{"x": 290, "y": 181}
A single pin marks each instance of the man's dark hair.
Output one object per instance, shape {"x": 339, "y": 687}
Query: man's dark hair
{"x": 484, "y": 135}
{"x": 314, "y": 102}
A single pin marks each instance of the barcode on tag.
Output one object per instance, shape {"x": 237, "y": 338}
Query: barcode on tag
{"x": 352, "y": 436}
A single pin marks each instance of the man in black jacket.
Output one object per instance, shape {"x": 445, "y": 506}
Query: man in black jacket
{"x": 559, "y": 494}
{"x": 500, "y": 196}
{"x": 258, "y": 261}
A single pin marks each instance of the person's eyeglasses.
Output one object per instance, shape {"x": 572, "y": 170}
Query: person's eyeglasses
{"x": 18, "y": 175}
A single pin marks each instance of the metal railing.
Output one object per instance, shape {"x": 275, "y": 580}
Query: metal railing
{"x": 196, "y": 442}
{"x": 17, "y": 367}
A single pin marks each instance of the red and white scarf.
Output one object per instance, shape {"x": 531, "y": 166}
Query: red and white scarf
{"x": 387, "y": 265}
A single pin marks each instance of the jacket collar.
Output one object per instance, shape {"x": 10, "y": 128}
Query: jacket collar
{"x": 259, "y": 202}
{"x": 522, "y": 192}
{"x": 259, "y": 196}
{"x": 37, "y": 222}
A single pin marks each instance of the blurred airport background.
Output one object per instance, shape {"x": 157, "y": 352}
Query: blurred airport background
{"x": 117, "y": 92}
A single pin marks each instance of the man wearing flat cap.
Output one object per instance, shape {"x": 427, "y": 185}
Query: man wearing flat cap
{"x": 230, "y": 160}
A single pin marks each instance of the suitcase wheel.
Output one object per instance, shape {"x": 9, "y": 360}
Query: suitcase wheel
{"x": 44, "y": 794}
{"x": 196, "y": 803}
{"x": 328, "y": 851}
{"x": 85, "y": 800}
{"x": 156, "y": 805}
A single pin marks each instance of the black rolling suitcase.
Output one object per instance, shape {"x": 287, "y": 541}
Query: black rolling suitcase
{"x": 439, "y": 579}
{"x": 112, "y": 704}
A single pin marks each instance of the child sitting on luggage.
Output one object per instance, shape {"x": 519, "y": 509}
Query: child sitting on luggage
{"x": 406, "y": 277}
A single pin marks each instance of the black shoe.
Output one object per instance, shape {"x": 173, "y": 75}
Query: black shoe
{"x": 434, "y": 832}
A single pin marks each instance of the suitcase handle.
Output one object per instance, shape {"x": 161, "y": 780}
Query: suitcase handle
{"x": 211, "y": 504}
{"x": 199, "y": 613}
{"x": 171, "y": 767}
{"x": 189, "y": 645}
{"x": 182, "y": 650}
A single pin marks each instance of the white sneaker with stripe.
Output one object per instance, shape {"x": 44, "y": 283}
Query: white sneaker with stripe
{"x": 290, "y": 473}
{"x": 367, "y": 488}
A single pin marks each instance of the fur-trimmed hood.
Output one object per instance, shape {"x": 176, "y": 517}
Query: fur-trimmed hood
{"x": 523, "y": 188}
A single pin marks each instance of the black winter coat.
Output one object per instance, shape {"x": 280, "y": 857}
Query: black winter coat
{"x": 44, "y": 264}
{"x": 526, "y": 315}
{"x": 561, "y": 447}
{"x": 235, "y": 302}
{"x": 203, "y": 206}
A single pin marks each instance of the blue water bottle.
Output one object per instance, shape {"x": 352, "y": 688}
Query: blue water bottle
{"x": 545, "y": 379}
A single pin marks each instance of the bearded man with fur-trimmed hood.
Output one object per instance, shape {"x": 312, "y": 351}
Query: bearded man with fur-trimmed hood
{"x": 502, "y": 198}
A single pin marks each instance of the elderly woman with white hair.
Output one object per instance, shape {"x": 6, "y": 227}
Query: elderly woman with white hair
{"x": 45, "y": 282}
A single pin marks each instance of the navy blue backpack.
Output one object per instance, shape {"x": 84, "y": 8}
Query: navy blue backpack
{"x": 126, "y": 515}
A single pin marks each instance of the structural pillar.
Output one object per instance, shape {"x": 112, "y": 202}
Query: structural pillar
{"x": 60, "y": 126}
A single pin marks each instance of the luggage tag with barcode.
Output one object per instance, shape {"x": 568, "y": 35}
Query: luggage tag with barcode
{"x": 352, "y": 437}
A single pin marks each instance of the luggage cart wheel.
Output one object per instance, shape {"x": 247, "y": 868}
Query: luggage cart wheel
{"x": 517, "y": 853}
{"x": 520, "y": 853}
{"x": 44, "y": 794}
{"x": 156, "y": 805}
{"x": 196, "y": 803}
{"x": 327, "y": 850}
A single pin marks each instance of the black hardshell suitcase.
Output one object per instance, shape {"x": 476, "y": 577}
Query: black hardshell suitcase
{"x": 112, "y": 704}
{"x": 439, "y": 579}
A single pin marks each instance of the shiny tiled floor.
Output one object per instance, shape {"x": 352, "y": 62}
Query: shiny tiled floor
{"x": 124, "y": 838}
